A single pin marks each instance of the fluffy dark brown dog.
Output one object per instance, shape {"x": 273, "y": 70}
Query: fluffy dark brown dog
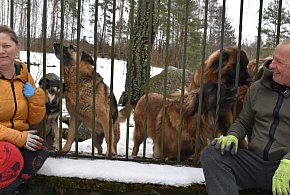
{"x": 85, "y": 110}
{"x": 172, "y": 120}
{"x": 208, "y": 124}
{"x": 228, "y": 71}
{"x": 228, "y": 75}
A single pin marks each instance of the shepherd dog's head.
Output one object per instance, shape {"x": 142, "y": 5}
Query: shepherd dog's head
{"x": 228, "y": 69}
{"x": 70, "y": 55}
{"x": 52, "y": 85}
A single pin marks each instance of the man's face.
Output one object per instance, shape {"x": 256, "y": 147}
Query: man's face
{"x": 280, "y": 65}
{"x": 8, "y": 51}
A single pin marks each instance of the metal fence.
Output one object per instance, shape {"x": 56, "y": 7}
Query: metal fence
{"x": 127, "y": 156}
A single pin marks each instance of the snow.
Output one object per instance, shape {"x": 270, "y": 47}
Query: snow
{"x": 111, "y": 170}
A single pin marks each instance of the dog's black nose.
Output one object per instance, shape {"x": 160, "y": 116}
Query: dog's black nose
{"x": 54, "y": 101}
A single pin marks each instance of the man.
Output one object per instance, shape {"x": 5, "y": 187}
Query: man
{"x": 266, "y": 119}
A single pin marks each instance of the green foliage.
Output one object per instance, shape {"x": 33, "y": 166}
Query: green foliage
{"x": 215, "y": 29}
{"x": 270, "y": 24}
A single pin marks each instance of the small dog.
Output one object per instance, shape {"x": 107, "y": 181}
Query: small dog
{"x": 190, "y": 119}
{"x": 252, "y": 68}
{"x": 52, "y": 92}
{"x": 85, "y": 110}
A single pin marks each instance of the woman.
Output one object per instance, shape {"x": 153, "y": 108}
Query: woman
{"x": 22, "y": 151}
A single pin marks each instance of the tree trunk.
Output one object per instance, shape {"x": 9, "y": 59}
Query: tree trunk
{"x": 140, "y": 52}
{"x": 120, "y": 28}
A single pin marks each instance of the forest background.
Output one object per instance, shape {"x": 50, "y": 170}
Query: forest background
{"x": 52, "y": 18}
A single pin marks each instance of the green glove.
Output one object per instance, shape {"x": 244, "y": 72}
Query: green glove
{"x": 226, "y": 144}
{"x": 281, "y": 178}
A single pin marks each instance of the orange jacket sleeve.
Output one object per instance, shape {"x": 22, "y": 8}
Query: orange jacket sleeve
{"x": 36, "y": 108}
{"x": 13, "y": 136}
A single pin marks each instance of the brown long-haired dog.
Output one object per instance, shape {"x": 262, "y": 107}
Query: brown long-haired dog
{"x": 228, "y": 72}
{"x": 154, "y": 107}
{"x": 172, "y": 120}
{"x": 208, "y": 124}
{"x": 85, "y": 108}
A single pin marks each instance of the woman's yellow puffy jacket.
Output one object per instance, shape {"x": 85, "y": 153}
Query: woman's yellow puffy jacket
{"x": 18, "y": 112}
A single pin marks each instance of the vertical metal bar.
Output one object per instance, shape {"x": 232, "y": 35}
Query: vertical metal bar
{"x": 112, "y": 77}
{"x": 61, "y": 73}
{"x": 11, "y": 13}
{"x": 150, "y": 24}
{"x": 129, "y": 72}
{"x": 44, "y": 30}
{"x": 197, "y": 142}
{"x": 77, "y": 78}
{"x": 259, "y": 38}
{"x": 28, "y": 35}
{"x": 94, "y": 76}
{"x": 239, "y": 53}
{"x": 183, "y": 79}
{"x": 220, "y": 61}
{"x": 165, "y": 78}
{"x": 279, "y": 22}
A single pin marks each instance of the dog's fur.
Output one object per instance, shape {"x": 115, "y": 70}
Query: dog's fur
{"x": 172, "y": 120}
{"x": 50, "y": 131}
{"x": 154, "y": 107}
{"x": 228, "y": 70}
{"x": 190, "y": 119}
{"x": 85, "y": 108}
{"x": 252, "y": 68}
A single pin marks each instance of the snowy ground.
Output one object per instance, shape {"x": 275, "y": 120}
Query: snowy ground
{"x": 119, "y": 171}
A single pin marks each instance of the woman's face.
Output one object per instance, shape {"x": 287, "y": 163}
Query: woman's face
{"x": 8, "y": 51}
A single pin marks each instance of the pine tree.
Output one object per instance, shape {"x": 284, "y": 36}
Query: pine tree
{"x": 270, "y": 23}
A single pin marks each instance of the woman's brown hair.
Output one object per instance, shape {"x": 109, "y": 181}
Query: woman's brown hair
{"x": 9, "y": 31}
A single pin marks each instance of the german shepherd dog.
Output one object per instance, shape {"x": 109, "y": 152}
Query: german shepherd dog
{"x": 85, "y": 109}
{"x": 52, "y": 92}
{"x": 172, "y": 120}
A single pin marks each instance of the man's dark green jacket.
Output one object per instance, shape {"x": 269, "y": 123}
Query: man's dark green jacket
{"x": 265, "y": 118}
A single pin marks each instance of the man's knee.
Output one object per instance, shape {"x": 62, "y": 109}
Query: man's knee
{"x": 205, "y": 154}
{"x": 209, "y": 154}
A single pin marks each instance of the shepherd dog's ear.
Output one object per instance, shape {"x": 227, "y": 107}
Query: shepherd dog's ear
{"x": 87, "y": 58}
{"x": 46, "y": 83}
{"x": 40, "y": 83}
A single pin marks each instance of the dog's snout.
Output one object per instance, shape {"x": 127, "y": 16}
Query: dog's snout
{"x": 54, "y": 101}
